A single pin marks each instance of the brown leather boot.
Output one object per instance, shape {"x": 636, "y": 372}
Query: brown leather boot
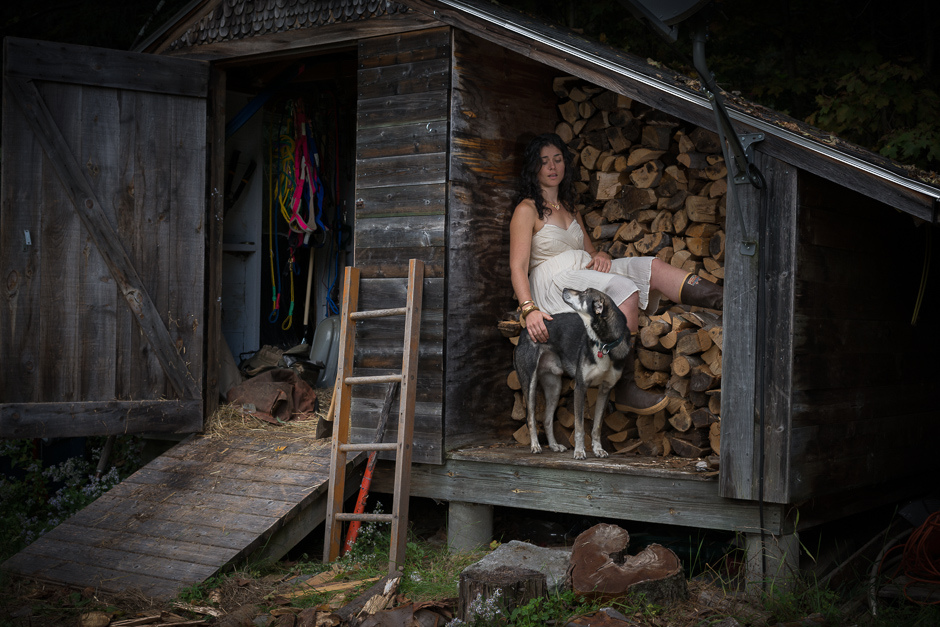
{"x": 629, "y": 397}
{"x": 697, "y": 291}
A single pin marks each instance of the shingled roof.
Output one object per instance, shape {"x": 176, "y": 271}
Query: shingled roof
{"x": 227, "y": 20}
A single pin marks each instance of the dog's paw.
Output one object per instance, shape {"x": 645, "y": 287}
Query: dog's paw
{"x": 579, "y": 453}
{"x": 599, "y": 452}
{"x": 536, "y": 448}
{"x": 558, "y": 448}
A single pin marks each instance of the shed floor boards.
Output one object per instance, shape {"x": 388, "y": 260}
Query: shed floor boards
{"x": 624, "y": 487}
{"x": 203, "y": 505}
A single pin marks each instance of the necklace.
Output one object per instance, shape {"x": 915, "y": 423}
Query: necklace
{"x": 554, "y": 205}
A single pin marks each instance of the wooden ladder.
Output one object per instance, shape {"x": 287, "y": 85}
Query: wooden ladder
{"x": 406, "y": 411}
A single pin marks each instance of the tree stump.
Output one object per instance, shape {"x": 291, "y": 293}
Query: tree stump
{"x": 601, "y": 569}
{"x": 483, "y": 591}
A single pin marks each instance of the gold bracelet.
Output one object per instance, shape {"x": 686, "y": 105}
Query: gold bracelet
{"x": 528, "y": 309}
{"x": 525, "y": 302}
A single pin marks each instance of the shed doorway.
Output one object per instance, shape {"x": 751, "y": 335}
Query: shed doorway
{"x": 289, "y": 209}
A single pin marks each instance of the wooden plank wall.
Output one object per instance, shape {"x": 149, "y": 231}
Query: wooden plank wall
{"x": 401, "y": 180}
{"x": 69, "y": 339}
{"x": 500, "y": 101}
{"x": 864, "y": 408}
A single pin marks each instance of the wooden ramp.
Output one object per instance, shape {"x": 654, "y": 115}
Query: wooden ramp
{"x": 205, "y": 504}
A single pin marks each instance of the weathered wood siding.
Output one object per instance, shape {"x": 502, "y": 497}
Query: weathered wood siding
{"x": 401, "y": 181}
{"x": 863, "y": 392}
{"x": 500, "y": 101}
{"x": 758, "y": 325}
{"x": 103, "y": 311}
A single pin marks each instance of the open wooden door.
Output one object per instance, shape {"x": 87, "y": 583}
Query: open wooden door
{"x": 102, "y": 242}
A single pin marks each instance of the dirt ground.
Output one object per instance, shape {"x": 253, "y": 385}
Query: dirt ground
{"x": 248, "y": 601}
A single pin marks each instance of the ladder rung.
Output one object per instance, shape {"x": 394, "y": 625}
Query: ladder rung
{"x": 365, "y": 517}
{"x": 381, "y": 378}
{"x": 375, "y": 446}
{"x": 377, "y": 313}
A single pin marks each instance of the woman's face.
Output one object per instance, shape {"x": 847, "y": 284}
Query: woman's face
{"x": 553, "y": 167}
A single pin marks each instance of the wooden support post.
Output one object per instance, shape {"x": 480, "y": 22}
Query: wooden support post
{"x": 776, "y": 563}
{"x": 469, "y": 526}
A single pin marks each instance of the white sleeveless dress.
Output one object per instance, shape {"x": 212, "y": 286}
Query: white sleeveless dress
{"x": 557, "y": 261}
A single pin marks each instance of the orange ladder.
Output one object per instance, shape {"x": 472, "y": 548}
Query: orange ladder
{"x": 406, "y": 410}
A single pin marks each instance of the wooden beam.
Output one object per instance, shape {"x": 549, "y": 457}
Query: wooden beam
{"x": 67, "y": 420}
{"x": 98, "y": 67}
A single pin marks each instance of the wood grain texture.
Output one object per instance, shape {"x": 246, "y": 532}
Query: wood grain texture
{"x": 206, "y": 504}
{"x": 115, "y": 217}
{"x": 613, "y": 487}
{"x": 500, "y": 101}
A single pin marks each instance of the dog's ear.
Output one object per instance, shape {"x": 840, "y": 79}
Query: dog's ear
{"x": 598, "y": 305}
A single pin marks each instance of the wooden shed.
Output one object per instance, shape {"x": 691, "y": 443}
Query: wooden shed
{"x": 826, "y": 392}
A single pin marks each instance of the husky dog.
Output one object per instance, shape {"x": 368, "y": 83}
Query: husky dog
{"x": 590, "y": 345}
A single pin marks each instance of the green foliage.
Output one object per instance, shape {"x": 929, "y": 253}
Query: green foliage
{"x": 888, "y": 107}
{"x": 552, "y": 609}
{"x": 802, "y": 598}
{"x": 38, "y": 497}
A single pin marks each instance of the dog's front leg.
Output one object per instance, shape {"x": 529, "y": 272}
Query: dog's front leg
{"x": 579, "y": 392}
{"x": 603, "y": 391}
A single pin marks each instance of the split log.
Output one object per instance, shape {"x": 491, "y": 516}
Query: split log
{"x": 682, "y": 365}
{"x": 617, "y": 140}
{"x": 615, "y": 211}
{"x": 569, "y": 111}
{"x": 631, "y": 231}
{"x": 605, "y": 231}
{"x": 705, "y": 141}
{"x": 653, "y": 360}
{"x": 652, "y": 243}
{"x": 672, "y": 203}
{"x": 601, "y": 569}
{"x": 701, "y": 209}
{"x": 656, "y": 137}
{"x": 650, "y": 334}
{"x": 681, "y": 420}
{"x": 687, "y": 449}
{"x": 606, "y": 185}
{"x": 692, "y": 160}
{"x": 701, "y": 417}
{"x": 714, "y": 402}
{"x": 589, "y": 156}
{"x": 642, "y": 155}
{"x": 702, "y": 379}
{"x": 635, "y": 199}
{"x": 692, "y": 343}
{"x": 647, "y": 175}
{"x": 714, "y": 437}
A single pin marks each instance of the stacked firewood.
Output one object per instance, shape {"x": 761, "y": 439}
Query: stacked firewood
{"x": 648, "y": 184}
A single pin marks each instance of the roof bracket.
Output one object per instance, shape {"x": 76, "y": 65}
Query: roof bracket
{"x": 745, "y": 171}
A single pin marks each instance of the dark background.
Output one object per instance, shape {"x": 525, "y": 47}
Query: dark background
{"x": 863, "y": 70}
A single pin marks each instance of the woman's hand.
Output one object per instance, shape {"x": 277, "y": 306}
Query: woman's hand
{"x": 535, "y": 325}
{"x": 600, "y": 261}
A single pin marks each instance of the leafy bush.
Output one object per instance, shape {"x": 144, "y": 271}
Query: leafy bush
{"x": 37, "y": 496}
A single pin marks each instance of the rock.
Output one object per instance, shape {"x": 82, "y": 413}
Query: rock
{"x": 552, "y": 562}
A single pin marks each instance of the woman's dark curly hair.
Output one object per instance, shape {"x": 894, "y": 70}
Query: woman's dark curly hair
{"x": 529, "y": 180}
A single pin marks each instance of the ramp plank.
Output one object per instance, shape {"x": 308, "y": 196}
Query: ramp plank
{"x": 202, "y": 506}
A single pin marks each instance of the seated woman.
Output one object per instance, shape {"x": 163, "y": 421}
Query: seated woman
{"x": 549, "y": 251}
